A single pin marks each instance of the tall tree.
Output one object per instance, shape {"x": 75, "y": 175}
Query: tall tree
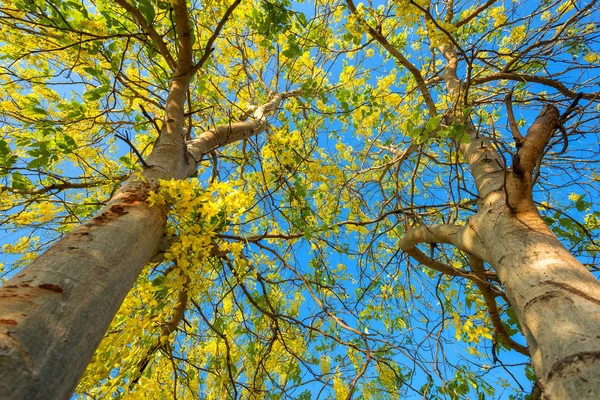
{"x": 284, "y": 263}
{"x": 56, "y": 310}
{"x": 554, "y": 296}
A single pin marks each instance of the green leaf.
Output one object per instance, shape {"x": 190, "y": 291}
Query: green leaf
{"x": 433, "y": 123}
{"x": 293, "y": 50}
{"x": 127, "y": 163}
{"x": 410, "y": 128}
{"x": 548, "y": 220}
{"x": 39, "y": 149}
{"x": 219, "y": 323}
{"x": 4, "y": 148}
{"x": 7, "y": 159}
{"x": 530, "y": 373}
{"x": 581, "y": 204}
{"x": 35, "y": 111}
{"x": 302, "y": 19}
{"x": 566, "y": 222}
{"x": 158, "y": 281}
{"x": 95, "y": 94}
{"x": 147, "y": 10}
{"x": 38, "y": 162}
{"x": 92, "y": 71}
{"x": 512, "y": 316}
{"x": 79, "y": 7}
{"x": 67, "y": 144}
{"x": 20, "y": 182}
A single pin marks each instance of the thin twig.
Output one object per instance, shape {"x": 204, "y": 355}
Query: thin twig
{"x": 514, "y": 128}
{"x": 149, "y": 118}
{"x": 136, "y": 152}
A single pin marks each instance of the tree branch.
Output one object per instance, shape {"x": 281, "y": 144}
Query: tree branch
{"x": 514, "y": 128}
{"x": 402, "y": 60}
{"x": 533, "y": 144}
{"x": 535, "y": 79}
{"x": 229, "y": 133}
{"x": 443, "y": 233}
{"x": 184, "y": 38}
{"x": 475, "y": 13}
{"x": 490, "y": 301}
{"x": 208, "y": 48}
{"x": 169, "y": 328}
{"x": 62, "y": 186}
{"x": 126, "y": 139}
{"x": 149, "y": 29}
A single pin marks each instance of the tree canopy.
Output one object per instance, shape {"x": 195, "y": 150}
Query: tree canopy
{"x": 322, "y": 254}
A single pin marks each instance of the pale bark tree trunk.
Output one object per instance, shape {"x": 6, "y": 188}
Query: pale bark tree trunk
{"x": 556, "y": 298}
{"x": 54, "y": 313}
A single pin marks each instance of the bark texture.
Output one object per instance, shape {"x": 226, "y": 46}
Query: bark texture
{"x": 54, "y": 313}
{"x": 557, "y": 300}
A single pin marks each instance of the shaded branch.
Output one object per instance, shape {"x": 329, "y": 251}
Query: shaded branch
{"x": 184, "y": 37}
{"x": 223, "y": 337}
{"x": 149, "y": 29}
{"x": 514, "y": 128}
{"x": 208, "y": 48}
{"x": 133, "y": 148}
{"x": 533, "y": 144}
{"x": 62, "y": 186}
{"x": 169, "y": 328}
{"x": 150, "y": 119}
{"x": 475, "y": 13}
{"x": 489, "y": 295}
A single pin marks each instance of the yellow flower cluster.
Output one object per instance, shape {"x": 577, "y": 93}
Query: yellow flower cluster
{"x": 198, "y": 215}
{"x": 38, "y": 213}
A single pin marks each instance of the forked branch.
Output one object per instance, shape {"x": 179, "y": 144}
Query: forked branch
{"x": 375, "y": 33}
{"x": 448, "y": 234}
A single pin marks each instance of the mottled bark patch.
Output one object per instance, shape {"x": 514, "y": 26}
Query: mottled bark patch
{"x": 137, "y": 195}
{"x": 52, "y": 287}
{"x": 570, "y": 362}
{"x": 544, "y": 297}
{"x": 118, "y": 209}
{"x": 115, "y": 211}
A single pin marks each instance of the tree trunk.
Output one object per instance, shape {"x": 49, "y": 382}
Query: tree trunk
{"x": 557, "y": 300}
{"x": 54, "y": 313}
